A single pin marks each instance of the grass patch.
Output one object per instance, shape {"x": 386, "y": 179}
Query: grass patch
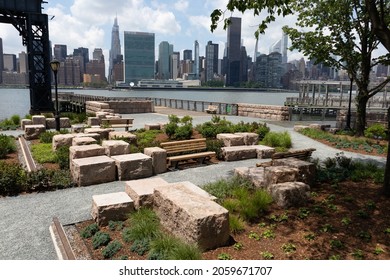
{"x": 43, "y": 153}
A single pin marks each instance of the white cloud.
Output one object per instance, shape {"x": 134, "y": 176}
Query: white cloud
{"x": 181, "y": 5}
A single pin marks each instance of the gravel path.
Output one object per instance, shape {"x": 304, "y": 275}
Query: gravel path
{"x": 25, "y": 221}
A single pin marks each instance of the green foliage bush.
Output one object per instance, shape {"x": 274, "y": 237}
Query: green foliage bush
{"x": 215, "y": 145}
{"x": 7, "y": 145}
{"x": 376, "y": 131}
{"x": 47, "y": 136}
{"x": 278, "y": 140}
{"x": 100, "y": 239}
{"x": 15, "y": 119}
{"x": 140, "y": 246}
{"x": 12, "y": 179}
{"x": 179, "y": 128}
{"x": 144, "y": 224}
{"x": 145, "y": 138}
{"x": 217, "y": 125}
{"x": 43, "y": 153}
{"x": 111, "y": 249}
{"x": 62, "y": 157}
{"x": 89, "y": 231}
{"x": 224, "y": 188}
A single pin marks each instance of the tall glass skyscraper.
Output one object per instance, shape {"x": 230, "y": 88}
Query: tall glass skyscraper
{"x": 165, "y": 51}
{"x": 196, "y": 59}
{"x": 233, "y": 52}
{"x": 139, "y": 56}
{"x": 115, "y": 51}
{"x": 211, "y": 60}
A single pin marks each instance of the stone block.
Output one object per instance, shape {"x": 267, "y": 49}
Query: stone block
{"x": 234, "y": 153}
{"x": 77, "y": 128}
{"x": 93, "y": 121}
{"x": 62, "y": 140}
{"x": 92, "y": 150}
{"x": 103, "y": 132}
{"x": 133, "y": 166}
{"x": 290, "y": 194}
{"x": 159, "y": 159}
{"x": 191, "y": 217}
{"x": 249, "y": 137}
{"x": 319, "y": 126}
{"x": 141, "y": 191}
{"x": 111, "y": 207}
{"x": 25, "y": 122}
{"x": 93, "y": 170}
{"x": 230, "y": 139}
{"x": 33, "y": 131}
{"x": 253, "y": 174}
{"x": 95, "y": 136}
{"x": 122, "y": 135}
{"x": 38, "y": 119}
{"x": 280, "y": 174}
{"x": 65, "y": 122}
{"x": 300, "y": 127}
{"x": 51, "y": 123}
{"x": 116, "y": 147}
{"x": 307, "y": 170}
{"x": 80, "y": 141}
{"x": 264, "y": 151}
{"x": 152, "y": 126}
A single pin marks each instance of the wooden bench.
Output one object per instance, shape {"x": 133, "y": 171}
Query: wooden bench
{"x": 303, "y": 154}
{"x": 117, "y": 123}
{"x": 179, "y": 151}
{"x": 212, "y": 109}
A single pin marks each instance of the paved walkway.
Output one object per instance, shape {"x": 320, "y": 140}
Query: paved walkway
{"x": 25, "y": 219}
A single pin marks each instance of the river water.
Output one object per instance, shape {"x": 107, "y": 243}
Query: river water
{"x": 17, "y": 101}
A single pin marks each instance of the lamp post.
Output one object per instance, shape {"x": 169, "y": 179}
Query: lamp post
{"x": 55, "y": 65}
{"x": 348, "y": 125}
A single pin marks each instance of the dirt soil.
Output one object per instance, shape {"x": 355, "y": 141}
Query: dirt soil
{"x": 345, "y": 221}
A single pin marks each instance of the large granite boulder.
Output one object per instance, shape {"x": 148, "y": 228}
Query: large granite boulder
{"x": 230, "y": 139}
{"x": 33, "y": 131}
{"x": 62, "y": 140}
{"x": 93, "y": 170}
{"x": 159, "y": 159}
{"x": 290, "y": 194}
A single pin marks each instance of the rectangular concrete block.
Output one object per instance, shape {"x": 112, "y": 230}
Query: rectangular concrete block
{"x": 280, "y": 174}
{"x": 234, "y": 153}
{"x": 61, "y": 140}
{"x": 264, "y": 151}
{"x": 81, "y": 141}
{"x": 111, "y": 207}
{"x": 38, "y": 120}
{"x": 92, "y": 150}
{"x": 93, "y": 170}
{"x": 290, "y": 194}
{"x": 230, "y": 139}
{"x": 191, "y": 217}
{"x": 133, "y": 166}
{"x": 116, "y": 147}
{"x": 249, "y": 137}
{"x": 33, "y": 131}
{"x": 159, "y": 159}
{"x": 307, "y": 170}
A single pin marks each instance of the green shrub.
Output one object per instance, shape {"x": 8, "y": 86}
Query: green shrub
{"x": 89, "y": 231}
{"x": 252, "y": 204}
{"x": 278, "y": 140}
{"x": 161, "y": 248}
{"x": 185, "y": 251}
{"x": 145, "y": 138}
{"x": 224, "y": 188}
{"x": 12, "y": 178}
{"x": 179, "y": 128}
{"x": 62, "y": 157}
{"x": 115, "y": 225}
{"x": 215, "y": 145}
{"x": 111, "y": 249}
{"x": 61, "y": 179}
{"x": 144, "y": 224}
{"x": 217, "y": 125}
{"x": 43, "y": 153}
{"x": 7, "y": 145}
{"x": 15, "y": 119}
{"x": 375, "y": 131}
{"x": 100, "y": 239}
{"x": 236, "y": 224}
{"x": 47, "y": 136}
{"x": 140, "y": 246}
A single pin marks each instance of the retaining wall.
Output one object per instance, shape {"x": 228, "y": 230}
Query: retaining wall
{"x": 267, "y": 112}
{"x": 121, "y": 107}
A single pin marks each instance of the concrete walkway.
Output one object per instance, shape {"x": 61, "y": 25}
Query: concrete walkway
{"x": 25, "y": 220}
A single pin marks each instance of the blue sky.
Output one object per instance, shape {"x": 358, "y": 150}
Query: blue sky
{"x": 88, "y": 23}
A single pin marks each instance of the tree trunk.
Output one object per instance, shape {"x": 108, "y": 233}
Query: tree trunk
{"x": 361, "y": 115}
{"x": 386, "y": 182}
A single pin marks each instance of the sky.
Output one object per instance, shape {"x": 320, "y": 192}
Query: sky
{"x": 88, "y": 23}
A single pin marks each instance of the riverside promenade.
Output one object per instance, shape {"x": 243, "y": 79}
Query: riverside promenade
{"x": 25, "y": 219}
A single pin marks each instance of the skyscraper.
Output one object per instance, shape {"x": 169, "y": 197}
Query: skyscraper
{"x": 187, "y": 55}
{"x": 115, "y": 51}
{"x": 196, "y": 59}
{"x": 165, "y": 51}
{"x": 139, "y": 56}
{"x": 60, "y": 52}
{"x": 1, "y": 61}
{"x": 233, "y": 52}
{"x": 211, "y": 67}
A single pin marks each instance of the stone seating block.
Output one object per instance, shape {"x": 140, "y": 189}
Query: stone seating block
{"x": 253, "y": 174}
{"x": 33, "y": 131}
{"x": 111, "y": 207}
{"x": 152, "y": 126}
{"x": 191, "y": 217}
{"x": 103, "y": 132}
{"x": 133, "y": 166}
{"x": 230, "y": 139}
{"x": 92, "y": 150}
{"x": 307, "y": 170}
{"x": 300, "y": 127}
{"x": 101, "y": 115}
{"x": 280, "y": 174}
{"x": 51, "y": 123}
{"x": 38, "y": 119}
{"x": 159, "y": 159}
{"x": 319, "y": 126}
{"x": 249, "y": 137}
{"x": 25, "y": 122}
{"x": 141, "y": 191}
{"x": 122, "y": 135}
{"x": 116, "y": 147}
{"x": 80, "y": 141}
{"x": 95, "y": 136}
{"x": 77, "y": 128}
{"x": 65, "y": 122}
{"x": 93, "y": 121}
{"x": 290, "y": 194}
{"x": 264, "y": 151}
{"x": 234, "y": 153}
{"x": 62, "y": 140}
{"x": 93, "y": 170}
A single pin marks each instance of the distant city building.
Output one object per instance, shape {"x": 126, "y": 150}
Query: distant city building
{"x": 1, "y": 61}
{"x": 269, "y": 70}
{"x": 116, "y": 57}
{"x": 175, "y": 65}
{"x": 211, "y": 63}
{"x": 69, "y": 73}
{"x": 139, "y": 56}
{"x": 187, "y": 55}
{"x": 23, "y": 62}
{"x": 233, "y": 52}
{"x": 165, "y": 51}
{"x": 60, "y": 52}
{"x": 9, "y": 61}
{"x": 98, "y": 54}
{"x": 196, "y": 59}
{"x": 82, "y": 54}
{"x": 243, "y": 65}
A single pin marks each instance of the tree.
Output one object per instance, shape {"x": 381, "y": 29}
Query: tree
{"x": 353, "y": 29}
{"x": 338, "y": 34}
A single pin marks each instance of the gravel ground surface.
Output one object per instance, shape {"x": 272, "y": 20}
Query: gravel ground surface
{"x": 24, "y": 226}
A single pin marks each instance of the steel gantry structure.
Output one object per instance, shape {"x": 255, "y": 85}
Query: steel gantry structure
{"x": 27, "y": 17}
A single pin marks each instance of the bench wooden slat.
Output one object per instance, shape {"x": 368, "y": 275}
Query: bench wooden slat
{"x": 191, "y": 156}
{"x": 122, "y": 122}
